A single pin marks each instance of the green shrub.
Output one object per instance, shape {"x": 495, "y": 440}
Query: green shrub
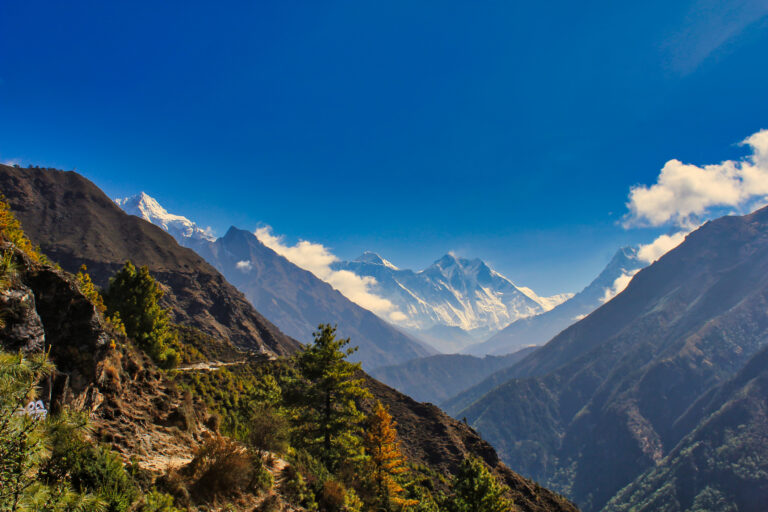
{"x": 10, "y": 231}
{"x": 294, "y": 488}
{"x": 135, "y": 296}
{"x": 90, "y": 468}
{"x": 25, "y": 483}
{"x": 156, "y": 501}
{"x": 475, "y": 488}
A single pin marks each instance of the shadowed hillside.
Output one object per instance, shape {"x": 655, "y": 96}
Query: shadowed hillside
{"x": 298, "y": 302}
{"x": 722, "y": 463}
{"x": 436, "y": 378}
{"x": 75, "y": 223}
{"x": 606, "y": 399}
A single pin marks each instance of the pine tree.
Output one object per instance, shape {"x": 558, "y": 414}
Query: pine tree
{"x": 327, "y": 421}
{"x": 135, "y": 296}
{"x": 24, "y": 441}
{"x": 386, "y": 460}
{"x": 475, "y": 489}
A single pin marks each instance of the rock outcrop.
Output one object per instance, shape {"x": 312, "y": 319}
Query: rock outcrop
{"x": 132, "y": 406}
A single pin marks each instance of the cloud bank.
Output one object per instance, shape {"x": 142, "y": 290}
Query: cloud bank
{"x": 651, "y": 252}
{"x": 317, "y": 259}
{"x": 619, "y": 284}
{"x": 684, "y": 193}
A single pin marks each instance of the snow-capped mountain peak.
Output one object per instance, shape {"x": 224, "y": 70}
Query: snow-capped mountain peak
{"x": 146, "y": 207}
{"x": 375, "y": 259}
{"x": 539, "y": 329}
{"x": 547, "y": 303}
{"x": 457, "y": 298}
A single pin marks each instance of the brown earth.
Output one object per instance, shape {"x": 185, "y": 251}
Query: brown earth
{"x": 75, "y": 223}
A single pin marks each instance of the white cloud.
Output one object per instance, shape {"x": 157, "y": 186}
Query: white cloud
{"x": 619, "y": 284}
{"x": 685, "y": 193}
{"x": 649, "y": 253}
{"x": 317, "y": 259}
{"x": 398, "y": 316}
{"x": 244, "y": 266}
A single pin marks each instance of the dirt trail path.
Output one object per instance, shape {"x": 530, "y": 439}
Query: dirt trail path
{"x": 207, "y": 366}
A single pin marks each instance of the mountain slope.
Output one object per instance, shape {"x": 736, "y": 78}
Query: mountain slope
{"x": 540, "y": 328}
{"x": 297, "y": 301}
{"x": 722, "y": 464}
{"x": 436, "y": 378}
{"x": 452, "y": 293}
{"x": 118, "y": 387}
{"x": 130, "y": 401}
{"x": 143, "y": 415}
{"x": 603, "y": 401}
{"x": 75, "y": 223}
{"x": 431, "y": 437}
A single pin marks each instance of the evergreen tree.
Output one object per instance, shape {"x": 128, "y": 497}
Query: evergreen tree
{"x": 386, "y": 460}
{"x": 327, "y": 421}
{"x": 475, "y": 489}
{"x": 24, "y": 444}
{"x": 135, "y": 296}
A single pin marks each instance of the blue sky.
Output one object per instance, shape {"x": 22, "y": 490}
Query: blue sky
{"x": 507, "y": 131}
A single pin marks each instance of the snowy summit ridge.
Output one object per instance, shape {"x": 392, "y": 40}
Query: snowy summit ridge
{"x": 453, "y": 302}
{"x": 146, "y": 207}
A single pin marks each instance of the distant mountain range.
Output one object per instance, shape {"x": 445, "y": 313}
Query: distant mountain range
{"x": 539, "y": 329}
{"x": 293, "y": 298}
{"x": 451, "y": 304}
{"x": 455, "y": 381}
{"x": 437, "y": 378}
{"x": 454, "y": 302}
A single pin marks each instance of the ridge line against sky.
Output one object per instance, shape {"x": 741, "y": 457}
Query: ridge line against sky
{"x": 508, "y": 131}
{"x": 681, "y": 199}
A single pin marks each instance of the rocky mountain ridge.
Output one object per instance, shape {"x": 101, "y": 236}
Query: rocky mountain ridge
{"x": 609, "y": 398}
{"x": 75, "y": 223}
{"x": 297, "y": 301}
{"x": 540, "y": 328}
{"x": 465, "y": 296}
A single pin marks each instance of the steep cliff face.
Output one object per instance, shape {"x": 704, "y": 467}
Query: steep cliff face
{"x": 75, "y": 223}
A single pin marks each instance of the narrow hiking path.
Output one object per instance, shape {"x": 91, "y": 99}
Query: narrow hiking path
{"x": 207, "y": 366}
